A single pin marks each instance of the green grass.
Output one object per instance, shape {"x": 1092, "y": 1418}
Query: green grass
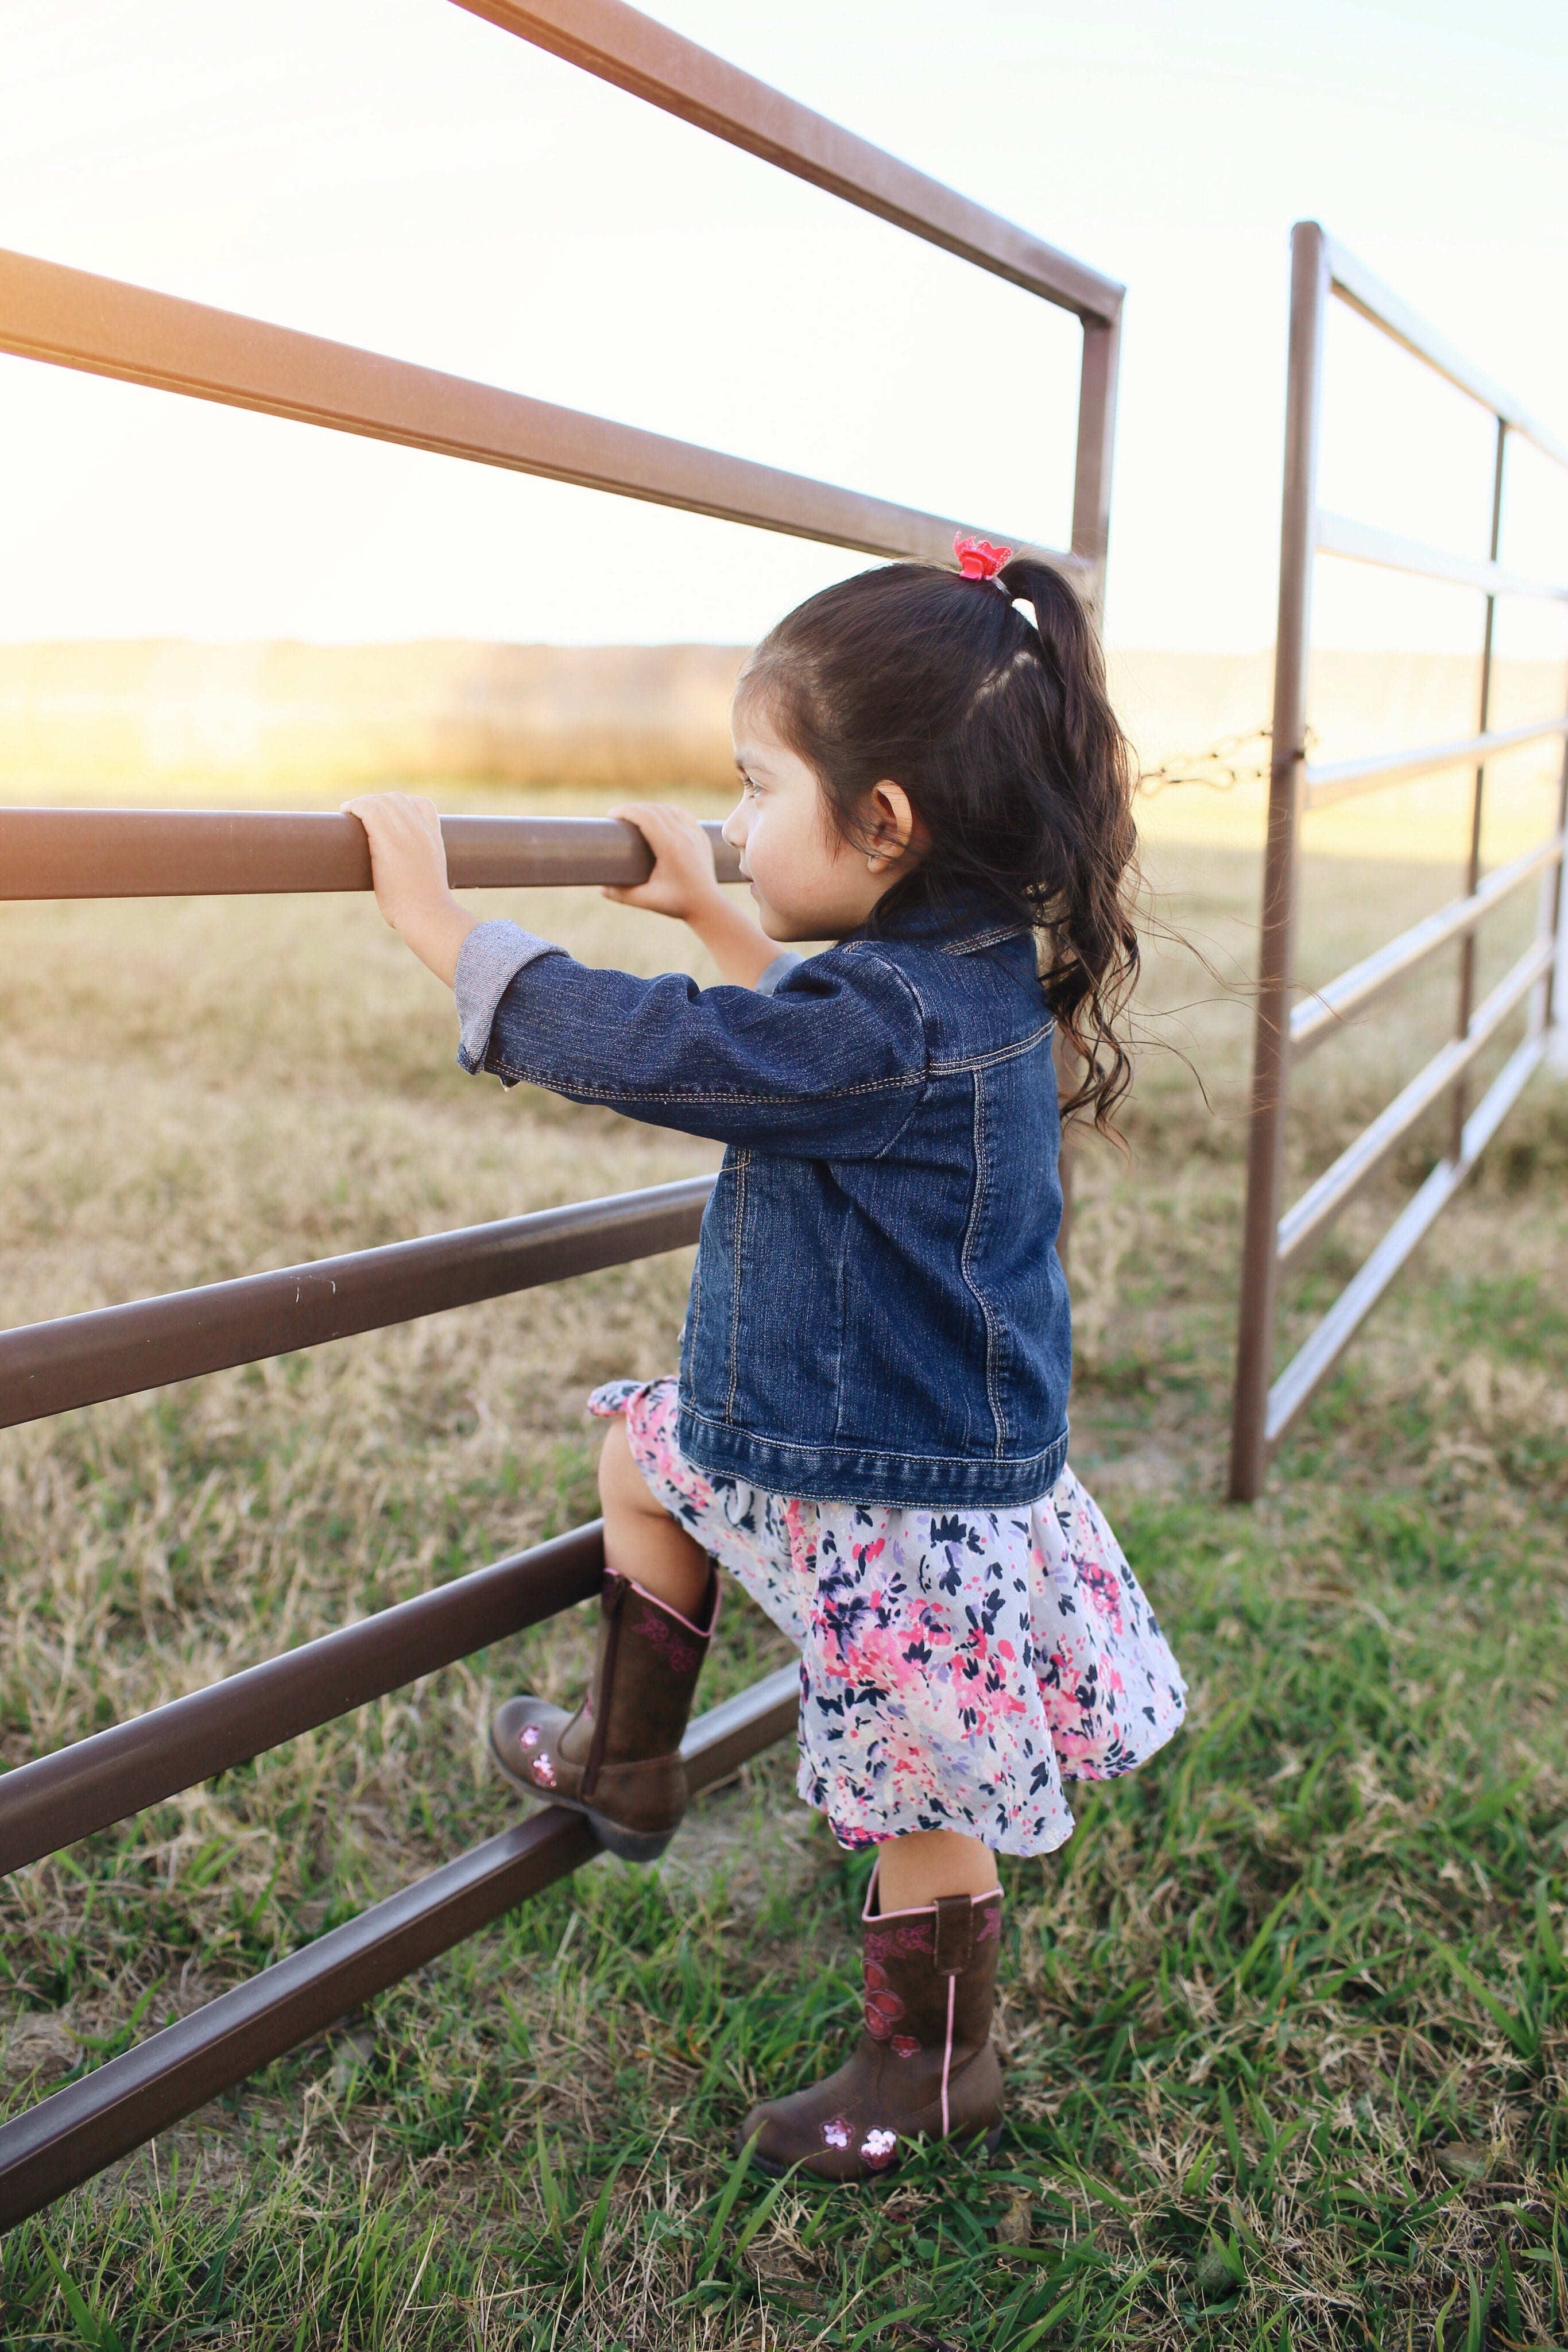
{"x": 1286, "y": 2022}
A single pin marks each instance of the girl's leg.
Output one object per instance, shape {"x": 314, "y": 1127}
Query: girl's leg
{"x": 924, "y": 2067}
{"x": 928, "y": 1864}
{"x": 618, "y": 1758}
{"x": 641, "y": 1539}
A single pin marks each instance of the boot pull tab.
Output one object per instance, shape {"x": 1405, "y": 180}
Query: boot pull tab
{"x": 612, "y": 1592}
{"x": 955, "y": 1935}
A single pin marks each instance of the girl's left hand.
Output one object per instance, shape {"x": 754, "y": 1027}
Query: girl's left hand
{"x": 683, "y": 882}
{"x": 408, "y": 864}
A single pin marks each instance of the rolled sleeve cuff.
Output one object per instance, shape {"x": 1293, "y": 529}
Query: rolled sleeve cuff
{"x": 777, "y": 971}
{"x": 487, "y": 962}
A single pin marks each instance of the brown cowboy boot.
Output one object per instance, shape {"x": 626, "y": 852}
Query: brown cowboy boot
{"x": 923, "y": 2065}
{"x": 618, "y": 1758}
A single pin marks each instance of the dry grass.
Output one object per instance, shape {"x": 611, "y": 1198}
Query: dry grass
{"x": 1287, "y": 2022}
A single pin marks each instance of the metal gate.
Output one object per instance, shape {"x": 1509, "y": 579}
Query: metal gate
{"x": 64, "y": 316}
{"x": 1265, "y": 1406}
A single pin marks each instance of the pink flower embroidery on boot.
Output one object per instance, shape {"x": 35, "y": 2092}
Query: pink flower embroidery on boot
{"x": 883, "y": 2006}
{"x": 677, "y": 1654}
{"x": 905, "y": 2045}
{"x": 877, "y": 2148}
{"x": 836, "y": 2132}
{"x": 544, "y": 1770}
{"x": 531, "y": 1736}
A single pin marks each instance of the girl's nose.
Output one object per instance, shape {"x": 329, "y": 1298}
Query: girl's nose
{"x": 734, "y": 827}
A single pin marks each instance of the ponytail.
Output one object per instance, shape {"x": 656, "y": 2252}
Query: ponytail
{"x": 1003, "y": 736}
{"x": 1091, "y": 960}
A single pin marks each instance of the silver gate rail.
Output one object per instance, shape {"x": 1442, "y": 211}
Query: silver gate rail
{"x": 1265, "y": 1406}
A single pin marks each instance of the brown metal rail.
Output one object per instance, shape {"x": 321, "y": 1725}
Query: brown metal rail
{"x": 639, "y": 55}
{"x": 65, "y": 853}
{"x": 78, "y": 1791}
{"x": 71, "y": 318}
{"x": 61, "y": 2141}
{"x": 106, "y": 328}
{"x": 1265, "y": 1407}
{"x": 49, "y": 1368}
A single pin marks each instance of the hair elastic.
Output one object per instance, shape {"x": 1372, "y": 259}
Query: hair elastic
{"x": 978, "y": 558}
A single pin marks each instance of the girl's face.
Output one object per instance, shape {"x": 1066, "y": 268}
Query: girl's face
{"x": 808, "y": 882}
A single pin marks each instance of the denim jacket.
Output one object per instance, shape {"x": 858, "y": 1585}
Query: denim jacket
{"x": 877, "y": 1313}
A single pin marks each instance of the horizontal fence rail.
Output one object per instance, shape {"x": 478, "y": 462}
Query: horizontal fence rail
{"x": 106, "y": 328}
{"x": 1360, "y": 542}
{"x": 73, "y": 318}
{"x": 63, "y": 2140}
{"x": 1273, "y": 1243}
{"x": 1326, "y": 1013}
{"x": 80, "y": 1359}
{"x": 637, "y": 53}
{"x": 1345, "y": 780}
{"x": 1317, "y": 1357}
{"x": 1364, "y": 291}
{"x": 85, "y": 853}
{"x": 1320, "y": 1203}
{"x": 78, "y": 1791}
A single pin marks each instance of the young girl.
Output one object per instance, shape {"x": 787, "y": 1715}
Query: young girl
{"x": 870, "y": 1425}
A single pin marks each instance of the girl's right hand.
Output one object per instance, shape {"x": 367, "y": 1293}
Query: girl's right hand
{"x": 681, "y": 882}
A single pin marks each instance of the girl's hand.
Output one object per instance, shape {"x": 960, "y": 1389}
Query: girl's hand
{"x": 681, "y": 882}
{"x": 408, "y": 864}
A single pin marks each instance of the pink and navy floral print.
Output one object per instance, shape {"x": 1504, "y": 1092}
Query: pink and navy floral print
{"x": 957, "y": 1666}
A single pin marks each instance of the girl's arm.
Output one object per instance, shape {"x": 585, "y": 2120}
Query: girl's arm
{"x": 834, "y": 1072}
{"x": 408, "y": 863}
{"x": 683, "y": 885}
{"x": 408, "y": 866}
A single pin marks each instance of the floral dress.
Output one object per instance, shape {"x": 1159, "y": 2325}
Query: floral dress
{"x": 957, "y": 1666}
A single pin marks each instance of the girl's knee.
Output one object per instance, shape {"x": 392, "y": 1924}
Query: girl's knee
{"x": 622, "y": 1486}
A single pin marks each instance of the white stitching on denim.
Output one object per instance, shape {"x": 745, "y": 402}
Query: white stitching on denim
{"x": 985, "y": 939}
{"x": 743, "y": 1163}
{"x": 841, "y": 1313}
{"x": 576, "y": 1089}
{"x": 695, "y": 1304}
{"x": 738, "y": 1101}
{"x": 734, "y": 1099}
{"x": 998, "y": 1054}
{"x": 782, "y": 1446}
{"x": 980, "y": 1300}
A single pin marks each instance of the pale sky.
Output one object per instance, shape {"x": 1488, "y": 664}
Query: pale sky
{"x": 399, "y": 175}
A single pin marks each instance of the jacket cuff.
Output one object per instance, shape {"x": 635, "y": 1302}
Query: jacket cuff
{"x": 487, "y": 962}
{"x": 777, "y": 971}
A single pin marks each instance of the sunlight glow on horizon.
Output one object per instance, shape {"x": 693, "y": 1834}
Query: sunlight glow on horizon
{"x": 399, "y": 175}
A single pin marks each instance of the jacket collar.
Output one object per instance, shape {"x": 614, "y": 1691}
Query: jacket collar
{"x": 961, "y": 922}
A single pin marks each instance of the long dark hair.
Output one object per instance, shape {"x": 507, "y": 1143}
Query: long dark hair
{"x": 1004, "y": 739}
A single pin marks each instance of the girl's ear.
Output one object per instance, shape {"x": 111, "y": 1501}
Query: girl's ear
{"x": 891, "y": 826}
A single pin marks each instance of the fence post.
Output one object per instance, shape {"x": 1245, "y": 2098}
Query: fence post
{"x": 1271, "y": 1055}
{"x": 1473, "y": 868}
{"x": 1556, "y": 1008}
{"x": 1096, "y": 439}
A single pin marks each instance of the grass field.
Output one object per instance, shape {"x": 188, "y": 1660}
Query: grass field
{"x": 1286, "y": 2022}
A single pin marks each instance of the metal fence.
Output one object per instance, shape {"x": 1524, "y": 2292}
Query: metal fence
{"x": 61, "y": 315}
{"x": 1265, "y": 1406}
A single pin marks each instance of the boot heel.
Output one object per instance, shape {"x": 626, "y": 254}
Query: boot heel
{"x": 630, "y": 1845}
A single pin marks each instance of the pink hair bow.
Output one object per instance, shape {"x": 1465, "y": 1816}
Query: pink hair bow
{"x": 977, "y": 559}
